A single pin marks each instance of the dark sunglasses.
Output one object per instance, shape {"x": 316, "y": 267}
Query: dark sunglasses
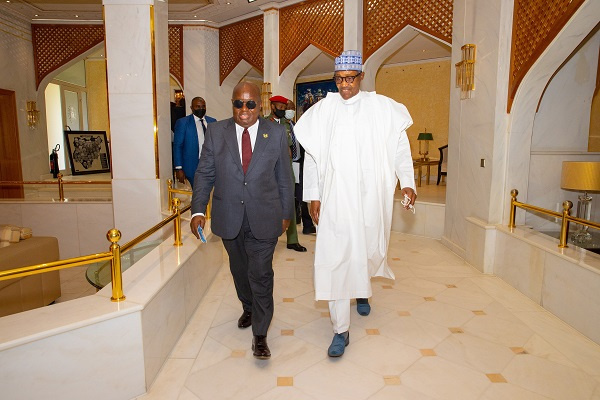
{"x": 251, "y": 104}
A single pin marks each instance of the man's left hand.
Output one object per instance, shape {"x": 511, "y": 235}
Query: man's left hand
{"x": 285, "y": 224}
{"x": 411, "y": 195}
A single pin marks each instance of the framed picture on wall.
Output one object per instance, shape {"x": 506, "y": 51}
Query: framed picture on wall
{"x": 309, "y": 93}
{"x": 88, "y": 152}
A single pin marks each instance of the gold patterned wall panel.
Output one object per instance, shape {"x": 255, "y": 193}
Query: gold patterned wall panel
{"x": 242, "y": 40}
{"x": 385, "y": 18}
{"x": 535, "y": 24}
{"x": 316, "y": 22}
{"x": 55, "y": 45}
{"x": 176, "y": 52}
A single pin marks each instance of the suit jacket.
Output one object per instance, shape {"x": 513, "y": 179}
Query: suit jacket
{"x": 265, "y": 192}
{"x": 185, "y": 144}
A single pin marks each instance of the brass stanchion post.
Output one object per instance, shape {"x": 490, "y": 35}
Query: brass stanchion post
{"x": 513, "y": 208}
{"x": 564, "y": 227}
{"x": 61, "y": 189}
{"x": 177, "y": 221}
{"x": 115, "y": 266}
{"x": 170, "y": 188}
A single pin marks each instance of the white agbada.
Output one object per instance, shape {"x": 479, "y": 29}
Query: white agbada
{"x": 355, "y": 148}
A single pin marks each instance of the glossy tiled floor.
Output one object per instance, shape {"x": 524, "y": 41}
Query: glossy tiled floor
{"x": 441, "y": 330}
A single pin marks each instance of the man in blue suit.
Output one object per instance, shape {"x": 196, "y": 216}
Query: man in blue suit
{"x": 188, "y": 140}
{"x": 246, "y": 160}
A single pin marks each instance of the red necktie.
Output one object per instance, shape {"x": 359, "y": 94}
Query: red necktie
{"x": 246, "y": 150}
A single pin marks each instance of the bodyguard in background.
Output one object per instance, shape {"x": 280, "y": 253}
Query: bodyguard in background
{"x": 188, "y": 140}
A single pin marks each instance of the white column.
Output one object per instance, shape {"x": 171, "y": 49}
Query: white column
{"x": 201, "y": 71}
{"x": 478, "y": 126}
{"x": 271, "y": 48}
{"x": 353, "y": 25}
{"x": 138, "y": 84}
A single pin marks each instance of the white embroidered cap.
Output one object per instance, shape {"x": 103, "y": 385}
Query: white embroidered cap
{"x": 349, "y": 60}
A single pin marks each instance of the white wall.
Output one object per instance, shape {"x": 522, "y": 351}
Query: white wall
{"x": 17, "y": 74}
{"x": 79, "y": 227}
{"x": 561, "y": 133}
{"x": 563, "y": 120}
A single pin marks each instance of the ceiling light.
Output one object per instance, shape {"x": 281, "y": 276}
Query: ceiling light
{"x": 76, "y": 16}
{"x": 251, "y": 1}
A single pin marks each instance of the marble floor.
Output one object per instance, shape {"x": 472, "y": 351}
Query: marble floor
{"x": 441, "y": 330}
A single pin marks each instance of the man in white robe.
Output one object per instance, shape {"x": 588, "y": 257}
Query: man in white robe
{"x": 356, "y": 144}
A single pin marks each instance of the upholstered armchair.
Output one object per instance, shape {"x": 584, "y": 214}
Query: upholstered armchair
{"x": 443, "y": 164}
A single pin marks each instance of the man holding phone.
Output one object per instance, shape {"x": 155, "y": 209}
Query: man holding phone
{"x": 246, "y": 160}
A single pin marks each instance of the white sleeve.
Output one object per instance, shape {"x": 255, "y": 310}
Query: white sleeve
{"x": 310, "y": 179}
{"x": 403, "y": 163}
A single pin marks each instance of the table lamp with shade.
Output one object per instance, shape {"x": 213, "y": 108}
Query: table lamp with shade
{"x": 581, "y": 176}
{"x": 424, "y": 138}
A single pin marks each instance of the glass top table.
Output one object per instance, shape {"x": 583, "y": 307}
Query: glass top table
{"x": 98, "y": 274}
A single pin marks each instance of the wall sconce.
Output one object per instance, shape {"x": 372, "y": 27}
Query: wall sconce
{"x": 465, "y": 71}
{"x": 424, "y": 138}
{"x": 583, "y": 177}
{"x": 32, "y": 114}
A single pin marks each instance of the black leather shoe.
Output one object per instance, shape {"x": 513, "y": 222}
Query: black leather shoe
{"x": 260, "y": 348}
{"x": 245, "y": 320}
{"x": 309, "y": 230}
{"x": 296, "y": 246}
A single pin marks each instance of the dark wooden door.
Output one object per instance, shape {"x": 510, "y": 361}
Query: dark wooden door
{"x": 10, "y": 153}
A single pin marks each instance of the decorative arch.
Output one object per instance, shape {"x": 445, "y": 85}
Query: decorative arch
{"x": 285, "y": 86}
{"x": 239, "y": 41}
{"x": 316, "y": 22}
{"x": 56, "y": 45}
{"x": 528, "y": 93}
{"x": 535, "y": 25}
{"x": 383, "y": 19}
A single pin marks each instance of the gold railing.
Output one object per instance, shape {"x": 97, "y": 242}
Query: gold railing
{"x": 186, "y": 192}
{"x": 114, "y": 253}
{"x": 564, "y": 216}
{"x": 60, "y": 182}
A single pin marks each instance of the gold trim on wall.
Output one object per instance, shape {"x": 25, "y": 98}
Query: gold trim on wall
{"x": 154, "y": 99}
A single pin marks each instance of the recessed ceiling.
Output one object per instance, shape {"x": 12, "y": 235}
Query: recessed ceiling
{"x": 216, "y": 11}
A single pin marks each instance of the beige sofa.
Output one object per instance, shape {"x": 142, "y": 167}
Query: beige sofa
{"x": 32, "y": 291}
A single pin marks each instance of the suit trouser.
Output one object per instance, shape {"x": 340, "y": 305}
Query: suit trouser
{"x": 251, "y": 264}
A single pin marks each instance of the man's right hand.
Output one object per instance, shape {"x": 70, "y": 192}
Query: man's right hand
{"x": 180, "y": 175}
{"x": 198, "y": 220}
{"x": 315, "y": 211}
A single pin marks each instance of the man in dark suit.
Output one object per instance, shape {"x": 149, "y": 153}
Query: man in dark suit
{"x": 308, "y": 227}
{"x": 188, "y": 139}
{"x": 246, "y": 160}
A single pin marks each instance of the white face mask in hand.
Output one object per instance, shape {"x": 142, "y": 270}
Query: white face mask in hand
{"x": 289, "y": 114}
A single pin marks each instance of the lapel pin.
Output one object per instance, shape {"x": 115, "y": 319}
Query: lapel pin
{"x": 265, "y": 135}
